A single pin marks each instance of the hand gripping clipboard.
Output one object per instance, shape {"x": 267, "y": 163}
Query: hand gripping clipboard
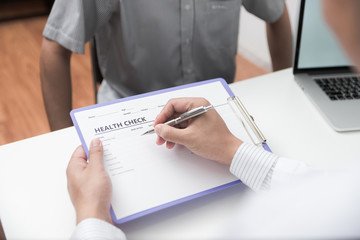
{"x": 132, "y": 198}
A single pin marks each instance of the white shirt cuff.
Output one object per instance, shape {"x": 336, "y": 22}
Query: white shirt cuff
{"x": 253, "y": 166}
{"x": 93, "y": 228}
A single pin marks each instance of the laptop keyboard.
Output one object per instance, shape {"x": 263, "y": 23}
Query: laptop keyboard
{"x": 340, "y": 88}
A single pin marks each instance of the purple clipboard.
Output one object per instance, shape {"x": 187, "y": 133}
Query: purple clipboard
{"x": 175, "y": 202}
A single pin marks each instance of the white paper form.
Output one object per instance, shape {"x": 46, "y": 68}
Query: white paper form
{"x": 143, "y": 174}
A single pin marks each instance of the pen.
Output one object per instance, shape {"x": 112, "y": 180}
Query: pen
{"x": 185, "y": 116}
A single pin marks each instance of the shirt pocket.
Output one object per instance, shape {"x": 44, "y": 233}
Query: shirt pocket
{"x": 221, "y": 24}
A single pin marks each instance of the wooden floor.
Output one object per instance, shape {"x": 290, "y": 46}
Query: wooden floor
{"x": 22, "y": 112}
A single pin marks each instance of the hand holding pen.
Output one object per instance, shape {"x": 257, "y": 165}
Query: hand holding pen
{"x": 205, "y": 135}
{"x": 185, "y": 116}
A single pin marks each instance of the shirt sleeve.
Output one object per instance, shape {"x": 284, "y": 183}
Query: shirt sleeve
{"x": 93, "y": 228}
{"x": 269, "y": 11}
{"x": 287, "y": 171}
{"x": 73, "y": 23}
{"x": 262, "y": 170}
{"x": 253, "y": 166}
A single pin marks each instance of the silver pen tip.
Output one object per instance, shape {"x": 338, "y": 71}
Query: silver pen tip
{"x": 148, "y": 132}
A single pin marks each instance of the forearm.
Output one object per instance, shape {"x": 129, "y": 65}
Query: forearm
{"x": 56, "y": 84}
{"x": 280, "y": 42}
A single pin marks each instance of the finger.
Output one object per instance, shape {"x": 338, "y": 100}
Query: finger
{"x": 77, "y": 159}
{"x": 78, "y": 154}
{"x": 170, "y": 145}
{"x": 177, "y": 106}
{"x": 170, "y": 134}
{"x": 183, "y": 124}
{"x": 96, "y": 153}
{"x": 160, "y": 140}
{"x": 173, "y": 108}
{"x": 166, "y": 113}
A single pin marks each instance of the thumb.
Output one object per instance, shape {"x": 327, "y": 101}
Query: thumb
{"x": 96, "y": 153}
{"x": 170, "y": 134}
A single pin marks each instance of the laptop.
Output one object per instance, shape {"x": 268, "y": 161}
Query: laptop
{"x": 324, "y": 72}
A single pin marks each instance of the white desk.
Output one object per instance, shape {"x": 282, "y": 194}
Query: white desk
{"x": 34, "y": 201}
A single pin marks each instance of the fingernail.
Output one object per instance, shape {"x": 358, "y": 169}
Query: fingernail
{"x": 95, "y": 142}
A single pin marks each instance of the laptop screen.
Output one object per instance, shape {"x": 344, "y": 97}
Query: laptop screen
{"x": 316, "y": 46}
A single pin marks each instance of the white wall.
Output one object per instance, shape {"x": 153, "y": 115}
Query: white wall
{"x": 252, "y": 40}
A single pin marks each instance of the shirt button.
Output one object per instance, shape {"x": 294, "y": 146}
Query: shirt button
{"x": 187, "y": 6}
{"x": 187, "y": 41}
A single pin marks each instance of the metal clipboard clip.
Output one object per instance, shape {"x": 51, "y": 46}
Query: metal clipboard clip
{"x": 249, "y": 122}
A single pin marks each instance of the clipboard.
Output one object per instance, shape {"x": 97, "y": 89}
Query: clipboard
{"x": 178, "y": 175}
